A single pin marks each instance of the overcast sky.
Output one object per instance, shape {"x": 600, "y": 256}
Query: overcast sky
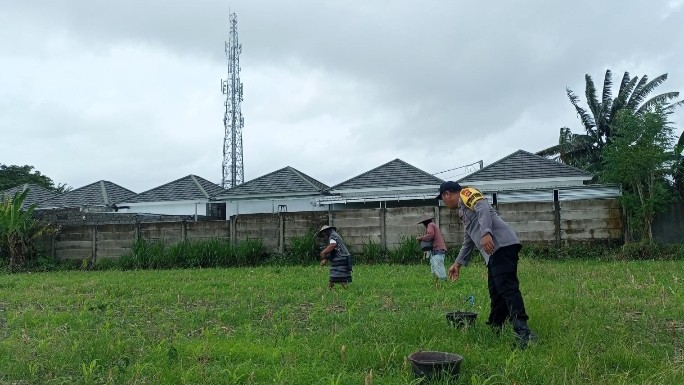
{"x": 129, "y": 91}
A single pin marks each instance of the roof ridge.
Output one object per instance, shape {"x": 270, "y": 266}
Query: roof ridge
{"x": 491, "y": 164}
{"x": 199, "y": 186}
{"x": 556, "y": 162}
{"x": 165, "y": 184}
{"x": 259, "y": 178}
{"x": 398, "y": 161}
{"x": 417, "y": 169}
{"x": 363, "y": 174}
{"x": 525, "y": 157}
{"x": 305, "y": 178}
{"x": 103, "y": 188}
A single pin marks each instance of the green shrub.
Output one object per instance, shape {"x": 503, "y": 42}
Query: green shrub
{"x": 576, "y": 251}
{"x": 191, "y": 254}
{"x": 371, "y": 252}
{"x": 250, "y": 252}
{"x": 303, "y": 249}
{"x": 646, "y": 250}
{"x": 406, "y": 252}
{"x": 202, "y": 253}
{"x": 145, "y": 255}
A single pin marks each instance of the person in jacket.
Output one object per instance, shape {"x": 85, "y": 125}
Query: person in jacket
{"x": 499, "y": 245}
{"x": 340, "y": 259}
{"x": 439, "y": 249}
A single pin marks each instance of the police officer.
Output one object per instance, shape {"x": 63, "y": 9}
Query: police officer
{"x": 499, "y": 245}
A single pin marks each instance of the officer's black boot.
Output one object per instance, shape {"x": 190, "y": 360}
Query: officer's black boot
{"x": 523, "y": 333}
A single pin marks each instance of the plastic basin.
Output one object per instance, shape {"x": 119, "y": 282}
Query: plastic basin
{"x": 435, "y": 365}
{"x": 461, "y": 318}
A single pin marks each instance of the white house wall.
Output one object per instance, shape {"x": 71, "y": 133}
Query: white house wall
{"x": 173, "y": 208}
{"x": 273, "y": 205}
{"x": 524, "y": 184}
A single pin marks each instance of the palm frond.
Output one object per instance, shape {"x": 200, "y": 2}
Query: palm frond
{"x": 552, "y": 151}
{"x": 626, "y": 87}
{"x": 637, "y": 90}
{"x": 592, "y": 101}
{"x": 643, "y": 92}
{"x": 670, "y": 107}
{"x": 607, "y": 90}
{"x": 606, "y": 103}
{"x": 661, "y": 100}
{"x": 586, "y": 119}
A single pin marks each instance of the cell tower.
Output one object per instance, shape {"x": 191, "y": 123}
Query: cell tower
{"x": 233, "y": 168}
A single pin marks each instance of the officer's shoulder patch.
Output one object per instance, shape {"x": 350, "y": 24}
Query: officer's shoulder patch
{"x": 470, "y": 196}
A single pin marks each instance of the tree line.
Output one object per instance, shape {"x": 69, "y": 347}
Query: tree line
{"x": 13, "y": 176}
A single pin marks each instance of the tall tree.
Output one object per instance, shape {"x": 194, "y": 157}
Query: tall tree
{"x": 12, "y": 176}
{"x": 585, "y": 150}
{"x": 637, "y": 157}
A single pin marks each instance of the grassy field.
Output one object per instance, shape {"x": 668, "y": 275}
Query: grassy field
{"x": 598, "y": 322}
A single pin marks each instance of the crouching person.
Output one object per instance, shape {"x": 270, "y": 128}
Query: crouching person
{"x": 339, "y": 257}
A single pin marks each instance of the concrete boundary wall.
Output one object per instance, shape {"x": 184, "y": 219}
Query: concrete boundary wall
{"x": 557, "y": 223}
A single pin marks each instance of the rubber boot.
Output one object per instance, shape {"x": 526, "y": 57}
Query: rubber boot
{"x": 523, "y": 334}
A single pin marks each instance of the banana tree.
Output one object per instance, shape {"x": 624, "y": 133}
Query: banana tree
{"x": 18, "y": 229}
{"x": 634, "y": 95}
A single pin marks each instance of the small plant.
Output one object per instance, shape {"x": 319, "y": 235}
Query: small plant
{"x": 303, "y": 248}
{"x": 250, "y": 252}
{"x": 371, "y": 251}
{"x": 406, "y": 252}
{"x": 144, "y": 255}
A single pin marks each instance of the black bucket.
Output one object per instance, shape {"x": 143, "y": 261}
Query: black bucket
{"x": 435, "y": 365}
{"x": 461, "y": 318}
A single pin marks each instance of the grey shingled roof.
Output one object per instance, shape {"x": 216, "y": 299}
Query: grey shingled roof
{"x": 396, "y": 173}
{"x": 285, "y": 181}
{"x": 191, "y": 187}
{"x": 36, "y": 194}
{"x": 524, "y": 165}
{"x": 101, "y": 193}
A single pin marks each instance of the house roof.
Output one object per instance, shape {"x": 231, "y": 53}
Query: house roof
{"x": 191, "y": 187}
{"x": 524, "y": 165}
{"x": 285, "y": 181}
{"x": 101, "y": 193}
{"x": 396, "y": 173}
{"x": 35, "y": 194}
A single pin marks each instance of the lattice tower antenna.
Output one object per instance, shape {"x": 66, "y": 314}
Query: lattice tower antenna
{"x": 233, "y": 168}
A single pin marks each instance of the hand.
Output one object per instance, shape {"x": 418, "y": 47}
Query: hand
{"x": 322, "y": 254}
{"x": 454, "y": 272}
{"x": 487, "y": 243}
{"x": 323, "y": 261}
{"x": 418, "y": 239}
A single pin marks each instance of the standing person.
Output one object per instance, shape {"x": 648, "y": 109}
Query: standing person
{"x": 338, "y": 255}
{"x": 439, "y": 249}
{"x": 499, "y": 245}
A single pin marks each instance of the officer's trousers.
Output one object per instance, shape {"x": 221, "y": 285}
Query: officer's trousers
{"x": 504, "y": 291}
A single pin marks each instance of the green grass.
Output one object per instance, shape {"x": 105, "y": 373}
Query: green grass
{"x": 599, "y": 323}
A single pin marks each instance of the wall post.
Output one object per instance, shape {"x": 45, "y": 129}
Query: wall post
{"x": 281, "y": 233}
{"x": 233, "y": 230}
{"x": 93, "y": 252}
{"x": 557, "y": 218}
{"x": 383, "y": 230}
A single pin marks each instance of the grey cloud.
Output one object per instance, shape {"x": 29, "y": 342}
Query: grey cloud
{"x": 436, "y": 83}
